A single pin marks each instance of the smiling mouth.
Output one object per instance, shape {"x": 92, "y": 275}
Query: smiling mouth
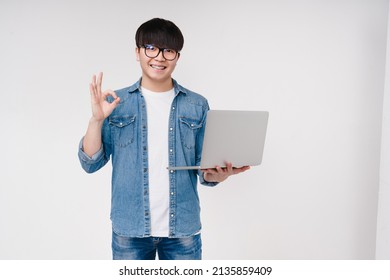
{"x": 158, "y": 67}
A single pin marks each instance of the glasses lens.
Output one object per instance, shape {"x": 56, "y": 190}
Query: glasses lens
{"x": 152, "y": 52}
{"x": 169, "y": 54}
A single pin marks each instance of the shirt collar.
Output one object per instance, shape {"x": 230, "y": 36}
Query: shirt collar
{"x": 177, "y": 88}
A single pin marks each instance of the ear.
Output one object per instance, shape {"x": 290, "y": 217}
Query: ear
{"x": 178, "y": 56}
{"x": 137, "y": 50}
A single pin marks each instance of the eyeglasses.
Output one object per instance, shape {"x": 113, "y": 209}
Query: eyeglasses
{"x": 152, "y": 51}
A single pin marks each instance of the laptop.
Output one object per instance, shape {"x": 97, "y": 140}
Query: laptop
{"x": 232, "y": 136}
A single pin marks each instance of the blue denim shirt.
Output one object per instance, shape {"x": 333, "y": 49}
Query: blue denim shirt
{"x": 124, "y": 139}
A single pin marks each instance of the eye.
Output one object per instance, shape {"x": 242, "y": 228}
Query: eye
{"x": 150, "y": 47}
{"x": 169, "y": 51}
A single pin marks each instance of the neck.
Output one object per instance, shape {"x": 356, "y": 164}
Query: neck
{"x": 157, "y": 86}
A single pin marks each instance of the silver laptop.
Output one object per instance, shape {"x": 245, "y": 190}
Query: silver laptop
{"x": 232, "y": 136}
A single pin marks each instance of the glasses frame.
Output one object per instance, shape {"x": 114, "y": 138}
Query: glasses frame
{"x": 159, "y": 51}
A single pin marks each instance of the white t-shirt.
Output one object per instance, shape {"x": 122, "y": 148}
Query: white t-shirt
{"x": 158, "y": 105}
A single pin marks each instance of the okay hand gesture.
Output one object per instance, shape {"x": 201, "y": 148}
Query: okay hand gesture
{"x": 101, "y": 108}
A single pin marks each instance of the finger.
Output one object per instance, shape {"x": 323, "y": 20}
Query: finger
{"x": 219, "y": 169}
{"x": 206, "y": 169}
{"x": 117, "y": 100}
{"x": 99, "y": 83}
{"x": 114, "y": 103}
{"x": 229, "y": 167}
{"x": 210, "y": 171}
{"x": 241, "y": 169}
{"x": 94, "y": 80}
{"x": 109, "y": 92}
{"x": 93, "y": 83}
{"x": 92, "y": 91}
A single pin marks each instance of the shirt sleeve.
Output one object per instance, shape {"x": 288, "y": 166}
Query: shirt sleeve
{"x": 199, "y": 149}
{"x": 94, "y": 163}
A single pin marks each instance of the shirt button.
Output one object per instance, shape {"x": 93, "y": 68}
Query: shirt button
{"x": 171, "y": 171}
{"x": 171, "y": 129}
{"x": 173, "y": 108}
{"x": 170, "y": 150}
{"x": 120, "y": 124}
{"x": 171, "y": 215}
{"x": 171, "y": 193}
{"x": 192, "y": 124}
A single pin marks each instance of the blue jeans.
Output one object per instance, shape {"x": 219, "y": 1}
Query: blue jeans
{"x": 129, "y": 248}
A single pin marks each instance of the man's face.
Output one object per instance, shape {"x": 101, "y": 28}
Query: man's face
{"x": 157, "y": 69}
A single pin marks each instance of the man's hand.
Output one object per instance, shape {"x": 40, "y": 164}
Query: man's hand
{"x": 101, "y": 108}
{"x": 219, "y": 174}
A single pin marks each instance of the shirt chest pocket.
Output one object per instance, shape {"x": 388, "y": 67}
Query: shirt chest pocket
{"x": 122, "y": 130}
{"x": 189, "y": 129}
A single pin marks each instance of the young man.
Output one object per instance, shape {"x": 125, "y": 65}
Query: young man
{"x": 144, "y": 128}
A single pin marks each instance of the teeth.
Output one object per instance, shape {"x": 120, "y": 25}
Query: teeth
{"x": 158, "y": 67}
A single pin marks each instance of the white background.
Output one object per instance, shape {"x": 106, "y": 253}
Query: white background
{"x": 317, "y": 66}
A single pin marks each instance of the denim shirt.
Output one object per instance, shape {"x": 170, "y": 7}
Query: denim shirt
{"x": 124, "y": 139}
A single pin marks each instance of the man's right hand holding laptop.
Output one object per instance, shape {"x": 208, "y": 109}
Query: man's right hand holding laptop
{"x": 219, "y": 174}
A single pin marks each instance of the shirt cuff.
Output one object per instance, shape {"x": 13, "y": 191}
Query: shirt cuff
{"x": 86, "y": 158}
{"x": 204, "y": 182}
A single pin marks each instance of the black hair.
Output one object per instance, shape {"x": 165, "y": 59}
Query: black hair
{"x": 160, "y": 32}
